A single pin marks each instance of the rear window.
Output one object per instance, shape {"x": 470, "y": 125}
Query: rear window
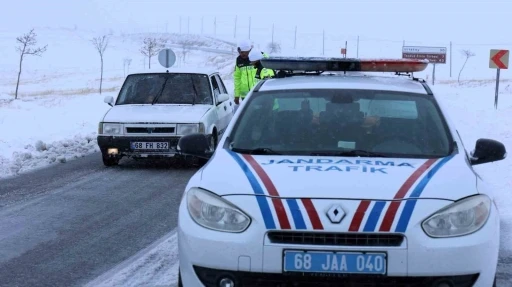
{"x": 310, "y": 121}
{"x": 166, "y": 88}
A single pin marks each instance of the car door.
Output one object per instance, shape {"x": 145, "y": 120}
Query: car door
{"x": 221, "y": 108}
{"x": 230, "y": 104}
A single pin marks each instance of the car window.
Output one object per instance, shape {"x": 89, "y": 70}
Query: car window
{"x": 216, "y": 89}
{"x": 223, "y": 89}
{"x": 165, "y": 89}
{"x": 334, "y": 121}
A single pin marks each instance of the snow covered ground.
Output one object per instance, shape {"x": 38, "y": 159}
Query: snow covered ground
{"x": 56, "y": 115}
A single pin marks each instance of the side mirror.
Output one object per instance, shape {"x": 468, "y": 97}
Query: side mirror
{"x": 487, "y": 150}
{"x": 197, "y": 145}
{"x": 109, "y": 100}
{"x": 223, "y": 97}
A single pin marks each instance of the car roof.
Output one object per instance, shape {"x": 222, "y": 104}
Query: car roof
{"x": 339, "y": 81}
{"x": 160, "y": 69}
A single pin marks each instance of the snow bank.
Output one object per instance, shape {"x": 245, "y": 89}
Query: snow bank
{"x": 56, "y": 116}
{"x": 156, "y": 265}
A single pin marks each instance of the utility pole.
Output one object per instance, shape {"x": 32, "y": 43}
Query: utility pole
{"x": 215, "y": 26}
{"x": 451, "y": 59}
{"x": 202, "y": 26}
{"x": 180, "y": 24}
{"x": 323, "y": 42}
{"x": 166, "y": 26}
{"x": 236, "y": 19}
{"x": 188, "y": 25}
{"x": 249, "y": 28}
{"x": 357, "y": 47}
{"x": 272, "y": 34}
{"x": 295, "y": 41}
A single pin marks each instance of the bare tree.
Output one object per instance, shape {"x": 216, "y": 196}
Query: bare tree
{"x": 151, "y": 47}
{"x": 100, "y": 43}
{"x": 127, "y": 62}
{"x": 468, "y": 54}
{"x": 274, "y": 47}
{"x": 26, "y": 44}
{"x": 185, "y": 48}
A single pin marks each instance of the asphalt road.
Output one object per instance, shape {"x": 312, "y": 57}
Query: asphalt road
{"x": 68, "y": 224}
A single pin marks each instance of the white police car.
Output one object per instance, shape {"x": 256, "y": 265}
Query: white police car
{"x": 356, "y": 180}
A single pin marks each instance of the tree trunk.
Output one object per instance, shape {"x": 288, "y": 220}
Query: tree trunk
{"x": 458, "y": 79}
{"x": 149, "y": 61}
{"x": 101, "y": 77}
{"x": 19, "y": 76}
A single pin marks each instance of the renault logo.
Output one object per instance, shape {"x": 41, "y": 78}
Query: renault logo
{"x": 335, "y": 213}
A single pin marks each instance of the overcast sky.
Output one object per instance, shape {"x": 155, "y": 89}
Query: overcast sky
{"x": 427, "y": 21}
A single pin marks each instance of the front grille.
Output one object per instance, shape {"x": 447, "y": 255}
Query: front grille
{"x": 337, "y": 239}
{"x": 211, "y": 277}
{"x": 148, "y": 130}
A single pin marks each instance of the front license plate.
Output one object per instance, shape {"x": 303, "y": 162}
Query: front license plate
{"x": 149, "y": 145}
{"x": 335, "y": 262}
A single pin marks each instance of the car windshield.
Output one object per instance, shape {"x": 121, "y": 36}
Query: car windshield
{"x": 342, "y": 122}
{"x": 165, "y": 88}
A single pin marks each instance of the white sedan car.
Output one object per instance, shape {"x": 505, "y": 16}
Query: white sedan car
{"x": 154, "y": 110}
{"x": 356, "y": 180}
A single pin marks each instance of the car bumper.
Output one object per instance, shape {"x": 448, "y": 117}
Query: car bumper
{"x": 250, "y": 259}
{"x": 123, "y": 146}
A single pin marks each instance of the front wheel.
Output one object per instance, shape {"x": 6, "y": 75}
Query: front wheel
{"x": 110, "y": 160}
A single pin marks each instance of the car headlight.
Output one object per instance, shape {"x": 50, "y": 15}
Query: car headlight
{"x": 186, "y": 129}
{"x": 460, "y": 218}
{"x": 112, "y": 129}
{"x": 213, "y": 212}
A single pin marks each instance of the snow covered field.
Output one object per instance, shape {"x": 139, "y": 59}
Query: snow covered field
{"x": 56, "y": 118}
{"x": 56, "y": 115}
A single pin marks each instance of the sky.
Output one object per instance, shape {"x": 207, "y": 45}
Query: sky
{"x": 478, "y": 22}
{"x": 381, "y": 26}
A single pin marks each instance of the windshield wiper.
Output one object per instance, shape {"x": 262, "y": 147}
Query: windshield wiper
{"x": 195, "y": 90}
{"x": 161, "y": 92}
{"x": 256, "y": 151}
{"x": 354, "y": 152}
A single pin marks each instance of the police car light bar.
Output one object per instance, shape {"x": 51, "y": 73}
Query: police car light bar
{"x": 344, "y": 64}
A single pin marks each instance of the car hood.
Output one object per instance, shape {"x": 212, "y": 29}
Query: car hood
{"x": 156, "y": 113}
{"x": 229, "y": 173}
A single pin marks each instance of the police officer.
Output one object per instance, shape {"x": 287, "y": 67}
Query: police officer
{"x": 244, "y": 75}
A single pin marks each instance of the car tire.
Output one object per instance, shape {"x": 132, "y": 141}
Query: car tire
{"x": 214, "y": 141}
{"x": 180, "y": 283}
{"x": 110, "y": 161}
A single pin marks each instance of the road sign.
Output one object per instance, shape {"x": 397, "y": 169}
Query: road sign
{"x": 498, "y": 59}
{"x": 343, "y": 51}
{"x": 435, "y": 55}
{"x": 167, "y": 58}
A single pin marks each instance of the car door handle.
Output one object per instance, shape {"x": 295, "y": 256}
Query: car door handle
{"x": 230, "y": 103}
{"x": 225, "y": 108}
